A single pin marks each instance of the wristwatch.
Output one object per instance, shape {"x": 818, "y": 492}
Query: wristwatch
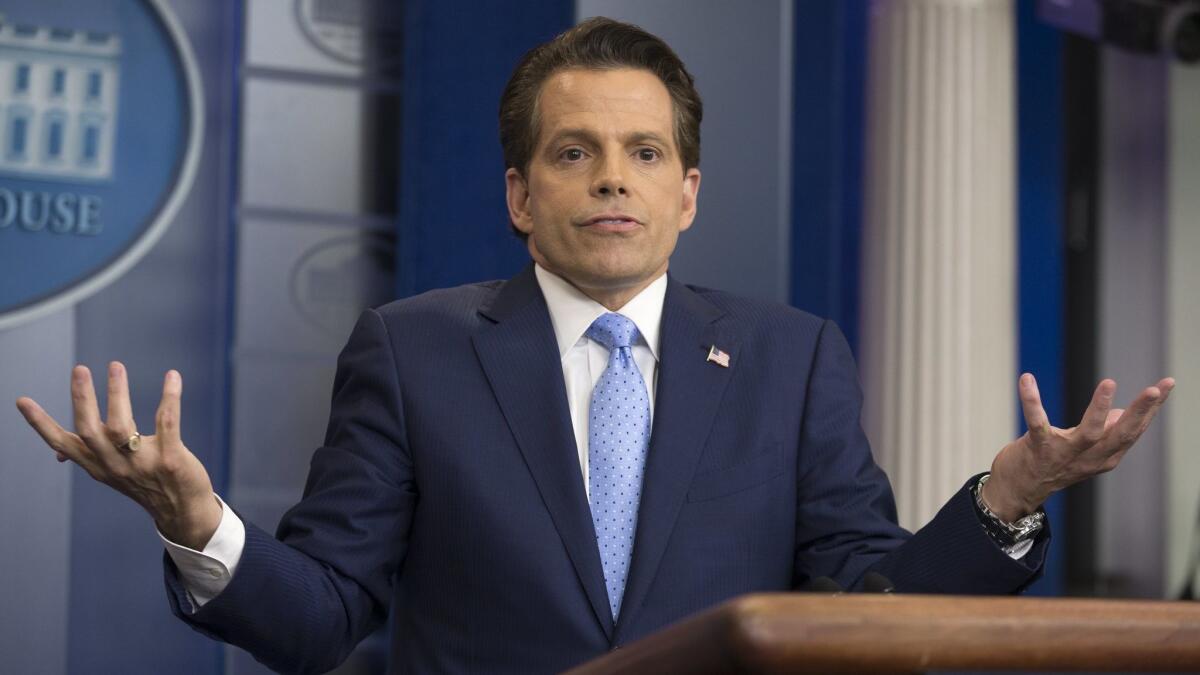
{"x": 1006, "y": 535}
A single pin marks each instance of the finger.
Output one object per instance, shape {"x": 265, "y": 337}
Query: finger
{"x": 1154, "y": 408}
{"x": 1166, "y": 386}
{"x": 120, "y": 413}
{"x": 1091, "y": 428}
{"x": 87, "y": 413}
{"x": 166, "y": 421}
{"x": 1031, "y": 405}
{"x": 1111, "y": 420}
{"x": 1137, "y": 417}
{"x": 64, "y": 443}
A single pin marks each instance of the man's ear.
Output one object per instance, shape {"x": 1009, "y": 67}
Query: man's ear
{"x": 691, "y": 191}
{"x": 516, "y": 194}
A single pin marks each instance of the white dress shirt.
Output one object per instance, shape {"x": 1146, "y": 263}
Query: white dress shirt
{"x": 206, "y": 573}
{"x": 584, "y": 359}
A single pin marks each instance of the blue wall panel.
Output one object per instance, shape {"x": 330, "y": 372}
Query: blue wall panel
{"x": 827, "y": 139}
{"x": 453, "y": 225}
{"x": 1040, "y": 249}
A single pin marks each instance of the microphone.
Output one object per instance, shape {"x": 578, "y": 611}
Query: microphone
{"x": 822, "y": 585}
{"x": 874, "y": 582}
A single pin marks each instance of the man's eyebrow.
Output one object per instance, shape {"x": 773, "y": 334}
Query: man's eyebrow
{"x": 588, "y": 135}
{"x": 572, "y": 132}
{"x": 639, "y": 136}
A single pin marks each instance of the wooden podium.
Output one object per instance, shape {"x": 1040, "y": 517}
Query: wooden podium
{"x": 859, "y": 633}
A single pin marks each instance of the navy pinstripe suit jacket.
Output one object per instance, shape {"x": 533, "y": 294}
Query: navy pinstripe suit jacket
{"x": 448, "y": 490}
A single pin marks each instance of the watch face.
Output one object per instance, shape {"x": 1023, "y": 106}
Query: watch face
{"x": 1029, "y": 526}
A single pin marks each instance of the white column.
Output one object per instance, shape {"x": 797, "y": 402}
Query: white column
{"x": 1181, "y": 416}
{"x": 938, "y": 314}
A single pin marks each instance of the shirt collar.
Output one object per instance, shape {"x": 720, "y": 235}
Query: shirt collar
{"x": 572, "y": 312}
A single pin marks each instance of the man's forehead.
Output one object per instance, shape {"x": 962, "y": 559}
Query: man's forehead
{"x": 626, "y": 92}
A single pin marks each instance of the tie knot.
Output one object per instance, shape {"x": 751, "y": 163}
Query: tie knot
{"x": 613, "y": 331}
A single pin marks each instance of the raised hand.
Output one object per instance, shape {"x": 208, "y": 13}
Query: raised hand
{"x": 1047, "y": 459}
{"x": 158, "y": 472}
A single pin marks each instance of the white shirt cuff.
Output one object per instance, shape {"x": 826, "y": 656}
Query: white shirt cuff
{"x": 206, "y": 573}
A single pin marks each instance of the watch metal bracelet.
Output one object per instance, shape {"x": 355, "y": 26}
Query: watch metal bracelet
{"x": 1004, "y": 533}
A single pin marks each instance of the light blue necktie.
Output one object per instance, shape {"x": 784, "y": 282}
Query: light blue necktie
{"x": 618, "y": 435}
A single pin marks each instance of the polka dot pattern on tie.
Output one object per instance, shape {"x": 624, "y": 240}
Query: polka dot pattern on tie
{"x": 618, "y": 437}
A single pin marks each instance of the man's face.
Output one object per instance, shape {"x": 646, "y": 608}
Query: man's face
{"x": 606, "y": 195}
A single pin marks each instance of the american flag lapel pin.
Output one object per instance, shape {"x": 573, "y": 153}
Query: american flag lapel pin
{"x": 718, "y": 357}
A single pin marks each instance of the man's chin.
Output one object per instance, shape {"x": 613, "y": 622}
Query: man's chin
{"x": 612, "y": 278}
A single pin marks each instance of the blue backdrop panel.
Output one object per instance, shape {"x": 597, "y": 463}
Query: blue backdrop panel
{"x": 453, "y": 225}
{"x": 1040, "y": 249}
{"x": 830, "y": 42}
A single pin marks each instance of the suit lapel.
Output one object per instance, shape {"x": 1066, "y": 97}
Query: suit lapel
{"x": 686, "y": 403}
{"x": 520, "y": 357}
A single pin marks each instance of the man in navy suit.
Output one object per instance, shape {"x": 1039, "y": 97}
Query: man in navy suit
{"x": 528, "y": 473}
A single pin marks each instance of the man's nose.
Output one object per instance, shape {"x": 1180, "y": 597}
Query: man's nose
{"x": 610, "y": 177}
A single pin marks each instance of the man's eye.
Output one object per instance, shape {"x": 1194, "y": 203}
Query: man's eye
{"x": 572, "y": 154}
{"x": 647, "y": 154}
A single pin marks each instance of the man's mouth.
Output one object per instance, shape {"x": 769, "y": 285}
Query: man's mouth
{"x": 612, "y": 222}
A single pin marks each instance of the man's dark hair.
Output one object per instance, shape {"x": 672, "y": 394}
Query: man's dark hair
{"x": 596, "y": 44}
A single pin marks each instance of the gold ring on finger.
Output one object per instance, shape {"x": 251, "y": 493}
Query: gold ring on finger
{"x": 131, "y": 444}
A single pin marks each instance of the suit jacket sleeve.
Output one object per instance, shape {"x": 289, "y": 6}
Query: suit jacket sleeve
{"x": 302, "y": 601}
{"x": 846, "y": 519}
